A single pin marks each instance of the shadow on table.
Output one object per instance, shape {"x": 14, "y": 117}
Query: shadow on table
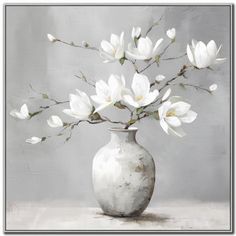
{"x": 142, "y": 219}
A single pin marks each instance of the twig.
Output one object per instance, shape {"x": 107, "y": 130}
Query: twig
{"x": 72, "y": 44}
{"x": 173, "y": 58}
{"x": 153, "y": 25}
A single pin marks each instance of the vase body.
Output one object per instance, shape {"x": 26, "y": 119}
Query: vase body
{"x": 123, "y": 175}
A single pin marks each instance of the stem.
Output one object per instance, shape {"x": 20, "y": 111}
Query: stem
{"x": 153, "y": 25}
{"x": 146, "y": 67}
{"x": 134, "y": 65}
{"x": 104, "y": 118}
{"x": 51, "y": 105}
{"x": 194, "y": 86}
{"x": 173, "y": 58}
{"x": 76, "y": 45}
{"x": 85, "y": 80}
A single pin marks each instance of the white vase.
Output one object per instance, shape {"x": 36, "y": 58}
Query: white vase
{"x": 123, "y": 175}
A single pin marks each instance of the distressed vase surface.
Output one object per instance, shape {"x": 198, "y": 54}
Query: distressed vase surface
{"x": 123, "y": 175}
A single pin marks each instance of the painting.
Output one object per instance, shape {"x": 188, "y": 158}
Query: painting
{"x": 118, "y": 118}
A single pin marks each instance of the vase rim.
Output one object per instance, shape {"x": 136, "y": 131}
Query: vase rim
{"x": 117, "y": 129}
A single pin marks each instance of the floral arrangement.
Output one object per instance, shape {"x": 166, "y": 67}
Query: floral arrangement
{"x": 147, "y": 97}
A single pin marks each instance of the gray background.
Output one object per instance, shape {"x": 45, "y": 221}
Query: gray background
{"x": 194, "y": 167}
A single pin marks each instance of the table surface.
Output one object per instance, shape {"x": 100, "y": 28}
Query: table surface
{"x": 172, "y": 215}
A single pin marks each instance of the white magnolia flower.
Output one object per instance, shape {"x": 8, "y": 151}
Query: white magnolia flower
{"x": 80, "y": 106}
{"x": 51, "y": 38}
{"x": 33, "y": 140}
{"x": 144, "y": 49}
{"x": 136, "y": 32}
{"x": 202, "y": 56}
{"x": 109, "y": 93}
{"x": 171, "y": 33}
{"x": 22, "y": 114}
{"x": 173, "y": 113}
{"x": 166, "y": 94}
{"x": 113, "y": 50}
{"x": 159, "y": 78}
{"x": 55, "y": 121}
{"x": 141, "y": 92}
{"x": 213, "y": 87}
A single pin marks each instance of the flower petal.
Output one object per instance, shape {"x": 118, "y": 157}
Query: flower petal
{"x": 173, "y": 121}
{"x": 145, "y": 47}
{"x": 149, "y": 98}
{"x": 24, "y": 111}
{"x": 177, "y": 131}
{"x": 103, "y": 106}
{"x": 202, "y": 58}
{"x": 135, "y": 55}
{"x": 166, "y": 94}
{"x": 33, "y": 140}
{"x": 102, "y": 89}
{"x": 140, "y": 85}
{"x": 159, "y": 78}
{"x": 180, "y": 108}
{"x": 189, "y": 117}
{"x": 107, "y": 47}
{"x": 55, "y": 121}
{"x": 130, "y": 100}
{"x": 212, "y": 49}
{"x": 190, "y": 56}
{"x": 163, "y": 109}
{"x": 115, "y": 40}
{"x": 164, "y": 126}
{"x": 157, "y": 46}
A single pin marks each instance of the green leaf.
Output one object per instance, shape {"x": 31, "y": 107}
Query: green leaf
{"x": 122, "y": 60}
{"x": 34, "y": 114}
{"x": 44, "y": 96}
{"x": 157, "y": 59}
{"x": 131, "y": 122}
{"x": 119, "y": 105}
{"x": 139, "y": 110}
{"x": 155, "y": 115}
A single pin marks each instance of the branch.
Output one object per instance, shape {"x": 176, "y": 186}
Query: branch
{"x": 194, "y": 86}
{"x": 153, "y": 25}
{"x": 72, "y": 44}
{"x": 83, "y": 77}
{"x": 173, "y": 58}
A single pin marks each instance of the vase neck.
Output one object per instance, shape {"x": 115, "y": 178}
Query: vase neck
{"x": 123, "y": 135}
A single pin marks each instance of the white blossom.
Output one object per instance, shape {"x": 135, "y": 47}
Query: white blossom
{"x": 109, "y": 93}
{"x": 51, "y": 38}
{"x": 159, "y": 78}
{"x": 136, "y": 32}
{"x": 171, "y": 33}
{"x": 141, "y": 95}
{"x": 33, "y": 140}
{"x": 173, "y": 113}
{"x": 113, "y": 50}
{"x": 213, "y": 87}
{"x": 166, "y": 94}
{"x": 80, "y": 106}
{"x": 55, "y": 121}
{"x": 22, "y": 114}
{"x": 202, "y": 56}
{"x": 144, "y": 49}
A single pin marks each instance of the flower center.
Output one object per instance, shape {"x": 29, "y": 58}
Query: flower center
{"x": 170, "y": 113}
{"x": 138, "y": 98}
